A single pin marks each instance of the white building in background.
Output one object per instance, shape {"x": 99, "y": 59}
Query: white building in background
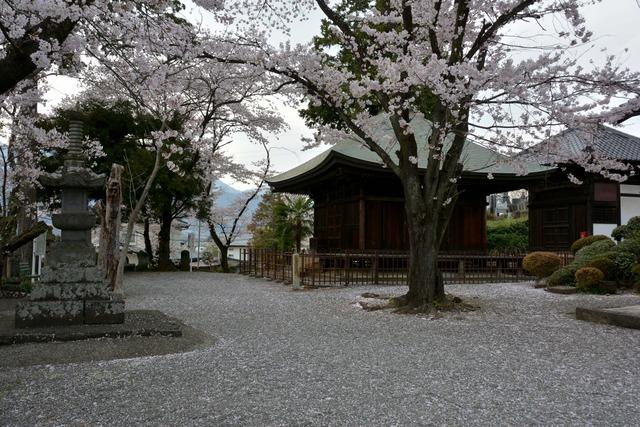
{"x": 137, "y": 240}
{"x": 237, "y": 246}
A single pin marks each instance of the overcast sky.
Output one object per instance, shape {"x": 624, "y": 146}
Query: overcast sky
{"x": 614, "y": 23}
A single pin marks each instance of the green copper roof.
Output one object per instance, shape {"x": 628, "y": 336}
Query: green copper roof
{"x": 475, "y": 158}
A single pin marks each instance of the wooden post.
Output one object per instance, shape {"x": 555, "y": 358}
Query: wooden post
{"x": 284, "y": 267}
{"x": 346, "y": 269}
{"x": 375, "y": 267}
{"x": 295, "y": 266}
{"x": 255, "y": 262}
{"x": 361, "y": 221}
{"x": 111, "y": 216}
{"x": 262, "y": 263}
{"x": 313, "y": 268}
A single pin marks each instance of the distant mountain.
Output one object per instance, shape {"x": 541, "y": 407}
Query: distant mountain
{"x": 226, "y": 197}
{"x": 227, "y": 194}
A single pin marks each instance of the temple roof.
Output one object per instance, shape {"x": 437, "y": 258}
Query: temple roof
{"x": 476, "y": 159}
{"x": 605, "y": 141}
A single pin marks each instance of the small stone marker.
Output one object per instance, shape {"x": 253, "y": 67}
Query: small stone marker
{"x": 295, "y": 271}
{"x": 73, "y": 288}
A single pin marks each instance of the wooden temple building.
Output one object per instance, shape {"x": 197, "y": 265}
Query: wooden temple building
{"x": 359, "y": 205}
{"x": 561, "y": 211}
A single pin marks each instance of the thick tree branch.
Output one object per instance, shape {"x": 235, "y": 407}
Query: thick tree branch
{"x": 17, "y": 65}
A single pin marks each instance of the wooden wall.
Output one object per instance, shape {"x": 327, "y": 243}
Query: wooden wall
{"x": 337, "y": 225}
{"x": 557, "y": 216}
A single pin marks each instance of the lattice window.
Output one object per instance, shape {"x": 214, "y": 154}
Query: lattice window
{"x": 604, "y": 215}
{"x": 555, "y": 216}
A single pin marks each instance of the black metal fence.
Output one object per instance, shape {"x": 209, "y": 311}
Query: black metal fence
{"x": 390, "y": 268}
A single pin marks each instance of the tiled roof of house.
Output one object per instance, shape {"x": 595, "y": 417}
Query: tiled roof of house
{"x": 605, "y": 141}
{"x": 475, "y": 157}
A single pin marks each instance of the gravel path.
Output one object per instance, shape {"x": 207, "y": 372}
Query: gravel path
{"x": 313, "y": 358}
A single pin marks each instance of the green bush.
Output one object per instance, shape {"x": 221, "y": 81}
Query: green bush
{"x": 631, "y": 244}
{"x": 541, "y": 264}
{"x": 563, "y": 277}
{"x": 588, "y": 278}
{"x": 597, "y": 252}
{"x": 624, "y": 262}
{"x": 604, "y": 263}
{"x": 618, "y": 233}
{"x": 508, "y": 235}
{"x": 586, "y": 241}
{"x": 599, "y": 247}
{"x": 636, "y": 275}
{"x": 631, "y": 228}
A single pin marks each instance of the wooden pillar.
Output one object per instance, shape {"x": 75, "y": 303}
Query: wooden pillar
{"x": 295, "y": 271}
{"x": 361, "y": 221}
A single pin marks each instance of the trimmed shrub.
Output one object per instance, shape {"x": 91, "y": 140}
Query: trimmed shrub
{"x": 631, "y": 244}
{"x": 631, "y": 228}
{"x": 636, "y": 274}
{"x": 588, "y": 278}
{"x": 624, "y": 262}
{"x": 508, "y": 235}
{"x": 618, "y": 233}
{"x": 599, "y": 247}
{"x": 586, "y": 241}
{"x": 604, "y": 263}
{"x": 563, "y": 277}
{"x": 541, "y": 264}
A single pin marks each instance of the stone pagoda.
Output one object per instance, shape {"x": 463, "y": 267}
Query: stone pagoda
{"x": 72, "y": 287}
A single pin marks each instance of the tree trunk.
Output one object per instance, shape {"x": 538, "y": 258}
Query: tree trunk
{"x": 133, "y": 217}
{"x": 224, "y": 249}
{"x": 26, "y": 220}
{"x": 425, "y": 279}
{"x": 110, "y": 225}
{"x": 27, "y": 213}
{"x": 224, "y": 259}
{"x": 148, "y": 248}
{"x": 164, "y": 239}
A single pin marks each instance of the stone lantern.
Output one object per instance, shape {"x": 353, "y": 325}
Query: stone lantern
{"x": 72, "y": 287}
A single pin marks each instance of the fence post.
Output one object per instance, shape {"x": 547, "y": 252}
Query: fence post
{"x": 313, "y": 268}
{"x": 346, "y": 269}
{"x": 295, "y": 271}
{"x": 375, "y": 267}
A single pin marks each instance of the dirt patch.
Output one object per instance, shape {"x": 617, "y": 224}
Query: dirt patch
{"x": 452, "y": 304}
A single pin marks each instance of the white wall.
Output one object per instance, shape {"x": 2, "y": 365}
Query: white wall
{"x": 604, "y": 229}
{"x": 629, "y": 206}
{"x": 235, "y": 251}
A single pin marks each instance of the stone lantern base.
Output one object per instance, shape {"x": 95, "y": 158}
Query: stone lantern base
{"x": 70, "y": 293}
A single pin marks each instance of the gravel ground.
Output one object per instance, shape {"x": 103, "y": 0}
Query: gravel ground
{"x": 314, "y": 358}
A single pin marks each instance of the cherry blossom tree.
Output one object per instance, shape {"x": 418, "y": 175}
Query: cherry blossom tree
{"x": 52, "y": 35}
{"x": 48, "y": 37}
{"x": 227, "y": 223}
{"x": 463, "y": 65}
